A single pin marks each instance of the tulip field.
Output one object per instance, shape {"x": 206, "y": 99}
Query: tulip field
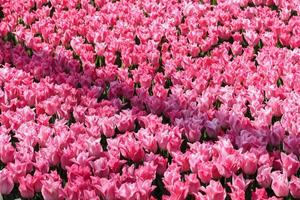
{"x": 149, "y": 99}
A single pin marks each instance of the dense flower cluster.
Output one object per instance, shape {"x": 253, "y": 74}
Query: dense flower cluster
{"x": 150, "y": 99}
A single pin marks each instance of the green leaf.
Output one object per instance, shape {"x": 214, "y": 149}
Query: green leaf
{"x": 146, "y": 14}
{"x": 279, "y": 82}
{"x": 244, "y": 43}
{"x": 294, "y": 13}
{"x": 178, "y": 31}
{"x": 103, "y": 142}
{"x": 137, "y": 126}
{"x": 34, "y": 8}
{"x": 258, "y": 47}
{"x": 274, "y": 7}
{"x": 118, "y": 60}
{"x": 53, "y": 118}
{"x": 248, "y": 114}
{"x": 184, "y": 144}
{"x": 279, "y": 45}
{"x": 13, "y": 139}
{"x": 52, "y": 12}
{"x": 37, "y": 147}
{"x": 217, "y": 104}
{"x": 137, "y": 40}
{"x": 213, "y": 2}
{"x": 72, "y": 119}
{"x": 166, "y": 119}
{"x": 29, "y": 51}
{"x": 2, "y": 165}
{"x": 104, "y": 95}
{"x": 276, "y": 118}
{"x": 204, "y": 136}
{"x": 100, "y": 61}
{"x": 92, "y": 2}
{"x": 11, "y": 37}
{"x": 38, "y": 196}
{"x": 78, "y": 6}
{"x": 168, "y": 83}
{"x": 1, "y": 13}
{"x": 160, "y": 189}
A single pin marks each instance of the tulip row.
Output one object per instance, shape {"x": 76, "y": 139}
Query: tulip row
{"x": 170, "y": 99}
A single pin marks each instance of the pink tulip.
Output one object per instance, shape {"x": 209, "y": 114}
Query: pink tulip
{"x": 6, "y": 182}
{"x": 264, "y": 176}
{"x": 26, "y": 187}
{"x": 239, "y": 183}
{"x": 259, "y": 194}
{"x": 100, "y": 167}
{"x": 7, "y": 153}
{"x": 290, "y": 164}
{"x": 193, "y": 183}
{"x": 238, "y": 195}
{"x": 295, "y": 187}
{"x": 204, "y": 172}
{"x": 249, "y": 163}
{"x": 280, "y": 184}
{"x": 215, "y": 191}
{"x": 179, "y": 190}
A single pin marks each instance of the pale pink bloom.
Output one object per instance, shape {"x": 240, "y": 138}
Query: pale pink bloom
{"x": 51, "y": 105}
{"x": 37, "y": 180}
{"x": 193, "y": 183}
{"x": 6, "y": 182}
{"x": 295, "y": 187}
{"x": 100, "y": 167}
{"x": 236, "y": 48}
{"x": 249, "y": 163}
{"x": 280, "y": 184}
{"x": 147, "y": 139}
{"x": 125, "y": 121}
{"x": 179, "y": 190}
{"x": 291, "y": 144}
{"x": 115, "y": 163}
{"x": 265, "y": 160}
{"x": 182, "y": 160}
{"x": 44, "y": 132}
{"x": 132, "y": 149}
{"x": 251, "y": 37}
{"x": 106, "y": 187}
{"x": 239, "y": 183}
{"x": 285, "y": 37}
{"x": 79, "y": 113}
{"x": 90, "y": 194}
{"x": 259, "y": 194}
{"x": 171, "y": 175}
{"x": 52, "y": 190}
{"x": 146, "y": 171}
{"x": 127, "y": 191}
{"x": 26, "y": 186}
{"x": 215, "y": 191}
{"x": 175, "y": 141}
{"x": 277, "y": 134}
{"x": 18, "y": 168}
{"x": 238, "y": 195}
{"x": 7, "y": 152}
{"x": 290, "y": 163}
{"x": 264, "y": 176}
{"x": 108, "y": 127}
{"x": 159, "y": 161}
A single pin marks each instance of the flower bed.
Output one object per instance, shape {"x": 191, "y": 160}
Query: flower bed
{"x": 165, "y": 99}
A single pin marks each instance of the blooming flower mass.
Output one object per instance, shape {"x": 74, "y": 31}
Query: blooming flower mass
{"x": 150, "y": 99}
